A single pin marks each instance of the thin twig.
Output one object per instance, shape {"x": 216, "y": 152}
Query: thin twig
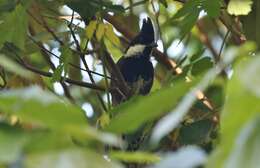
{"x": 222, "y": 45}
{"x": 73, "y": 65}
{"x": 82, "y": 57}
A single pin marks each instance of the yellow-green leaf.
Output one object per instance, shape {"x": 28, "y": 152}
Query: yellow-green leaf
{"x": 136, "y": 157}
{"x": 104, "y": 120}
{"x": 239, "y": 7}
{"x": 91, "y": 29}
{"x": 110, "y": 34}
{"x": 100, "y": 31}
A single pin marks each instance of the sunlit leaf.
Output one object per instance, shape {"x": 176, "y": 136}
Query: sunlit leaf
{"x": 100, "y": 31}
{"x": 135, "y": 157}
{"x": 110, "y": 34}
{"x": 92, "y": 26}
{"x": 114, "y": 51}
{"x": 239, "y": 7}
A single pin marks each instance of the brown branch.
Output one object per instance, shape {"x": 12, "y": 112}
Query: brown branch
{"x": 68, "y": 80}
{"x": 205, "y": 40}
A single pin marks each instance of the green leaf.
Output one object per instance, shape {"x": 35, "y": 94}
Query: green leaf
{"x": 65, "y": 58}
{"x": 187, "y": 23}
{"x": 7, "y": 5}
{"x": 164, "y": 2}
{"x": 57, "y": 73}
{"x": 134, "y": 113}
{"x": 110, "y": 34}
{"x": 201, "y": 66}
{"x": 212, "y": 7}
{"x": 187, "y": 8}
{"x": 195, "y": 133}
{"x": 100, "y": 31}
{"x": 2, "y": 81}
{"x": 86, "y": 9}
{"x": 14, "y": 27}
{"x": 12, "y": 141}
{"x": 239, "y": 7}
{"x": 68, "y": 158}
{"x": 135, "y": 157}
{"x": 114, "y": 51}
{"x": 12, "y": 66}
{"x": 36, "y": 106}
{"x": 246, "y": 149}
{"x": 241, "y": 107}
{"x": 91, "y": 29}
{"x": 185, "y": 157}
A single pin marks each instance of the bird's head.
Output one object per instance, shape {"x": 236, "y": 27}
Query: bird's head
{"x": 144, "y": 42}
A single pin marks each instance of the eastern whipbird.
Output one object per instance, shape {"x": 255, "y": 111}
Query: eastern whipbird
{"x": 135, "y": 64}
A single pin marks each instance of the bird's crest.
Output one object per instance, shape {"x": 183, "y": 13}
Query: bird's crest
{"x": 146, "y": 34}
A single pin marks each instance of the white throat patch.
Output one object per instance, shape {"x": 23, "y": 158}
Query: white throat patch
{"x": 134, "y": 50}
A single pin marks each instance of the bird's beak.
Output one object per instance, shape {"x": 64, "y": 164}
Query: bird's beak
{"x": 154, "y": 44}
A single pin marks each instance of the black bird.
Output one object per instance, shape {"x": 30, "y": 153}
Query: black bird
{"x": 135, "y": 64}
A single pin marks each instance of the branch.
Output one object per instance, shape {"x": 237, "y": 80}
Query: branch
{"x": 71, "y": 64}
{"x": 68, "y": 80}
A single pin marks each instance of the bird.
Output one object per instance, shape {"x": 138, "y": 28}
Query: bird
{"x": 135, "y": 65}
{"x": 138, "y": 72}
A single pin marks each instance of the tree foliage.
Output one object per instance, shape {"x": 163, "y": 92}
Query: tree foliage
{"x": 56, "y": 60}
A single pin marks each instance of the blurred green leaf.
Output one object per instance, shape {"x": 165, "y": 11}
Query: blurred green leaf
{"x": 246, "y": 149}
{"x": 13, "y": 29}
{"x": 187, "y": 9}
{"x": 57, "y": 73}
{"x": 12, "y": 66}
{"x": 134, "y": 157}
{"x": 65, "y": 58}
{"x": 239, "y": 7}
{"x": 212, "y": 7}
{"x": 34, "y": 105}
{"x": 87, "y": 9}
{"x": 195, "y": 133}
{"x": 185, "y": 157}
{"x": 187, "y": 23}
{"x": 241, "y": 106}
{"x": 2, "y": 81}
{"x": 68, "y": 158}
{"x": 134, "y": 113}
{"x": 164, "y": 2}
{"x": 12, "y": 141}
{"x": 202, "y": 65}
